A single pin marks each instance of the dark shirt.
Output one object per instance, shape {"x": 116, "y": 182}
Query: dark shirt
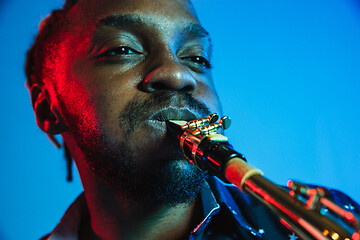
{"x": 227, "y": 214}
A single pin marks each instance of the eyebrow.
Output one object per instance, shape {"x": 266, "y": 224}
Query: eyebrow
{"x": 120, "y": 21}
{"x": 196, "y": 30}
{"x": 134, "y": 20}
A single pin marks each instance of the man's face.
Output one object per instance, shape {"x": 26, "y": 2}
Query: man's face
{"x": 134, "y": 65}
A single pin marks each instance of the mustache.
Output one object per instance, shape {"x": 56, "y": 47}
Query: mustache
{"x": 139, "y": 110}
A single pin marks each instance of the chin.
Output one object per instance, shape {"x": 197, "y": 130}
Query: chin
{"x": 155, "y": 144}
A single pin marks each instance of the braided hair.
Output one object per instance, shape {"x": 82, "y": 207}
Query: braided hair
{"x": 35, "y": 60}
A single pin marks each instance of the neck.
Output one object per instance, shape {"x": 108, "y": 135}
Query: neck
{"x": 113, "y": 217}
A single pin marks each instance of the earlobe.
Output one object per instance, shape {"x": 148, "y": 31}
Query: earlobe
{"x": 47, "y": 118}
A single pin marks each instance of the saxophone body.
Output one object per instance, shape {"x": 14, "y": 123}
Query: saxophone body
{"x": 299, "y": 207}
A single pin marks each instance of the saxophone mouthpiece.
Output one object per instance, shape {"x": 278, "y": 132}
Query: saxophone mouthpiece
{"x": 175, "y": 126}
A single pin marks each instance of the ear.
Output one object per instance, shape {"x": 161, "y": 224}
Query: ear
{"x": 47, "y": 117}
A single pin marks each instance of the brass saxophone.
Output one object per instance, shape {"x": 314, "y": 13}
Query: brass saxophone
{"x": 299, "y": 208}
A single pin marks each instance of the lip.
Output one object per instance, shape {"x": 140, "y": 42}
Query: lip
{"x": 173, "y": 114}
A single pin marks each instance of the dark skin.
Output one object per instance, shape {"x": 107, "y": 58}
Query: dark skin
{"x": 158, "y": 45}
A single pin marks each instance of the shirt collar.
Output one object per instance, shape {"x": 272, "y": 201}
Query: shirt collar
{"x": 70, "y": 223}
{"x": 214, "y": 196}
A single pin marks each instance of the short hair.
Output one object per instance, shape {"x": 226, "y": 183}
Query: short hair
{"x": 39, "y": 52}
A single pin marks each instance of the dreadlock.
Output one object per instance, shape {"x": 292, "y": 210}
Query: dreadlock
{"x": 35, "y": 59}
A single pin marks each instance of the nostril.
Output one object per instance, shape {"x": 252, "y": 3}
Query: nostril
{"x": 169, "y": 76}
{"x": 159, "y": 86}
{"x": 152, "y": 86}
{"x": 188, "y": 89}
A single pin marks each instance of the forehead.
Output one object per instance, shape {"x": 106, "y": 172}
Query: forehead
{"x": 89, "y": 12}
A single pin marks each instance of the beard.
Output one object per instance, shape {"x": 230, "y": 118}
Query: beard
{"x": 162, "y": 176}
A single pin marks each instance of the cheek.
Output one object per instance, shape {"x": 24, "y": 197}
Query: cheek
{"x": 70, "y": 94}
{"x": 78, "y": 108}
{"x": 109, "y": 92}
{"x": 206, "y": 93}
{"x": 110, "y": 106}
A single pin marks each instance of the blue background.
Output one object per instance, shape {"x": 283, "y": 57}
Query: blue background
{"x": 288, "y": 75}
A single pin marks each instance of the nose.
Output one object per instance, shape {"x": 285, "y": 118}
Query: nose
{"x": 169, "y": 74}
